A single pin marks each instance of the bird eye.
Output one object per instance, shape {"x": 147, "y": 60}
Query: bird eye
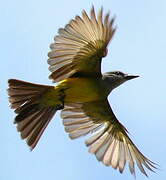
{"x": 118, "y": 73}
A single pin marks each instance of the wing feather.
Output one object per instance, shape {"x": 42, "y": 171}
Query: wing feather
{"x": 109, "y": 140}
{"x": 80, "y": 45}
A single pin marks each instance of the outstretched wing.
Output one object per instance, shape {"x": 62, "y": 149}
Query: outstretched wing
{"x": 109, "y": 141}
{"x": 80, "y": 46}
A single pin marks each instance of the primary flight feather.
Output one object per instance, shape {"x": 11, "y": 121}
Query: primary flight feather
{"x": 80, "y": 46}
{"x": 81, "y": 94}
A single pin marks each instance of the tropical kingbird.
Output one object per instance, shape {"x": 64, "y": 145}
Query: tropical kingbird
{"x": 81, "y": 94}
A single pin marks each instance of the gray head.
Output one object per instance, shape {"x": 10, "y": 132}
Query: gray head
{"x": 115, "y": 78}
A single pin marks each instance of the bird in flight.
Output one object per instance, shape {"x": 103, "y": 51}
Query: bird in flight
{"x": 81, "y": 94}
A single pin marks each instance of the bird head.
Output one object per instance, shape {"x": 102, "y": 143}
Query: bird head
{"x": 115, "y": 78}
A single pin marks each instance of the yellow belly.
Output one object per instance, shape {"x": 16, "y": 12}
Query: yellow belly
{"x": 82, "y": 90}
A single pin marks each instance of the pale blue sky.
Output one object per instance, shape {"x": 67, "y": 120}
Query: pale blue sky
{"x": 139, "y": 46}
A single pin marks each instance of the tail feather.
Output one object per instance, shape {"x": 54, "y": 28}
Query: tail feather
{"x": 35, "y": 135}
{"x": 21, "y": 92}
{"x": 32, "y": 118}
{"x": 25, "y": 111}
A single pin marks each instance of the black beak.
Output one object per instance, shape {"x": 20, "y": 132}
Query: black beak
{"x": 129, "y": 77}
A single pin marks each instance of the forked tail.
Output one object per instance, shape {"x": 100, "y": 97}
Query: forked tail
{"x": 32, "y": 116}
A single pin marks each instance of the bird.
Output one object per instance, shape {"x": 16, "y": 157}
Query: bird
{"x": 81, "y": 94}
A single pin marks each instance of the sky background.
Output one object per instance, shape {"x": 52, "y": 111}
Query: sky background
{"x": 139, "y": 47}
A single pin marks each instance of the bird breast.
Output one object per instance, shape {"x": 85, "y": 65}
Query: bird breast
{"x": 83, "y": 90}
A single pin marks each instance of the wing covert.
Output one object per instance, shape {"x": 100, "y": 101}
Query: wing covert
{"x": 80, "y": 46}
{"x": 109, "y": 140}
